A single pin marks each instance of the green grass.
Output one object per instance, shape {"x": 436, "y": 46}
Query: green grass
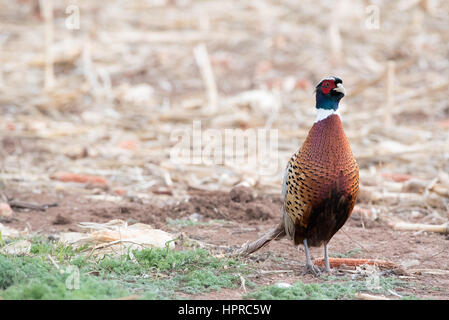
{"x": 152, "y": 273}
{"x": 192, "y": 223}
{"x": 2, "y": 243}
{"x": 331, "y": 289}
{"x": 51, "y": 268}
{"x": 34, "y": 278}
{"x": 190, "y": 271}
{"x": 60, "y": 251}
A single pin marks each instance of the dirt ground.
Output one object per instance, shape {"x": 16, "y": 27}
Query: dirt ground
{"x": 243, "y": 217}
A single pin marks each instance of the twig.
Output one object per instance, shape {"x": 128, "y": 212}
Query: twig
{"x": 54, "y": 262}
{"x": 274, "y": 271}
{"x": 443, "y": 228}
{"x": 366, "y": 296}
{"x": 80, "y": 178}
{"x": 120, "y": 241}
{"x": 25, "y": 205}
{"x": 430, "y": 271}
{"x": 394, "y": 293}
{"x": 243, "y": 281}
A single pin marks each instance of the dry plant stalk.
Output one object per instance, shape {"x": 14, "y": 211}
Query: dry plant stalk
{"x": 366, "y": 296}
{"x": 430, "y": 271}
{"x": 391, "y": 67}
{"x": 203, "y": 62}
{"x": 47, "y": 12}
{"x": 404, "y": 226}
{"x": 335, "y": 39}
{"x": 353, "y": 262}
{"x": 80, "y": 178}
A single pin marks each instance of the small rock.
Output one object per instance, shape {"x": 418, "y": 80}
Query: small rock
{"x": 400, "y": 271}
{"x": 415, "y": 214}
{"x": 60, "y": 219}
{"x": 195, "y": 217}
{"x": 97, "y": 188}
{"x": 415, "y": 186}
{"x": 436, "y": 201}
{"x": 125, "y": 210}
{"x": 283, "y": 285}
{"x": 258, "y": 211}
{"x": 241, "y": 194}
{"x": 5, "y": 210}
{"x": 8, "y": 232}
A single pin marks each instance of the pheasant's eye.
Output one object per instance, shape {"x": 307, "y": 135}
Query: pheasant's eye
{"x": 325, "y": 84}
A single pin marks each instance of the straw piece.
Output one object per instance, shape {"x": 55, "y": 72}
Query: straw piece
{"x": 47, "y": 13}
{"x": 80, "y": 178}
{"x": 366, "y": 296}
{"x": 404, "y": 226}
{"x": 389, "y": 105}
{"x": 203, "y": 62}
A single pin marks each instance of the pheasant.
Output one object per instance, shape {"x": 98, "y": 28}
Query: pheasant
{"x": 320, "y": 183}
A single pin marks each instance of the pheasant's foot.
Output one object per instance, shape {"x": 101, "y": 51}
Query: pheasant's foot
{"x": 327, "y": 269}
{"x": 312, "y": 269}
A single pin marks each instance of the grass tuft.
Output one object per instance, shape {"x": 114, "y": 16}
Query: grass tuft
{"x": 151, "y": 273}
{"x": 325, "y": 291}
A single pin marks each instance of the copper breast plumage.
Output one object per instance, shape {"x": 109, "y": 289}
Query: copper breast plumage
{"x": 320, "y": 184}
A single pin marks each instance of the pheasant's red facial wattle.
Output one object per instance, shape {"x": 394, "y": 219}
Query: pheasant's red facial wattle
{"x": 327, "y": 86}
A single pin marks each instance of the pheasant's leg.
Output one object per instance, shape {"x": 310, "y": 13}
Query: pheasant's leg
{"x": 310, "y": 267}
{"x": 327, "y": 266}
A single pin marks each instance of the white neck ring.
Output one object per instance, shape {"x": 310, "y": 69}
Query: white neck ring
{"x": 322, "y": 114}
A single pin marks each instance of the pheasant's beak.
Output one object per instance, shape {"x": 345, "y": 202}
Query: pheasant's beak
{"x": 340, "y": 88}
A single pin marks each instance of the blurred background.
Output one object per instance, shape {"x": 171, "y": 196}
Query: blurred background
{"x": 98, "y": 88}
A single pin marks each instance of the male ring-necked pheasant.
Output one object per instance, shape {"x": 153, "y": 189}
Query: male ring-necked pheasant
{"x": 321, "y": 181}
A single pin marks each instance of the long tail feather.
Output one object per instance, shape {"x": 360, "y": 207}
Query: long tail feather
{"x": 275, "y": 233}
